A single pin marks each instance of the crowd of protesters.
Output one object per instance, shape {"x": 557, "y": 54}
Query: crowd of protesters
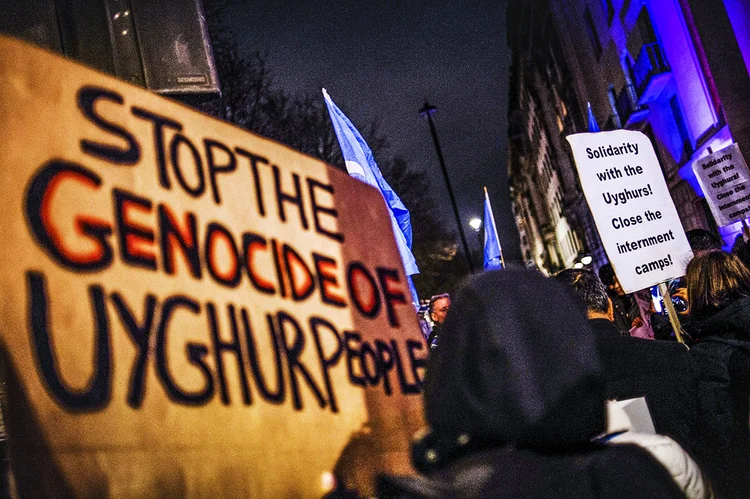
{"x": 519, "y": 393}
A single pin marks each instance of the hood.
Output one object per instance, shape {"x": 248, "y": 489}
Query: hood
{"x": 732, "y": 322}
{"x": 517, "y": 364}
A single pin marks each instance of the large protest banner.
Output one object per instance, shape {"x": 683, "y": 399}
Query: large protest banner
{"x": 632, "y": 208}
{"x": 725, "y": 181}
{"x": 189, "y": 310}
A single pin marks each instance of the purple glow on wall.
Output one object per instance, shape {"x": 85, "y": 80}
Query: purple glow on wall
{"x": 739, "y": 16}
{"x": 691, "y": 87}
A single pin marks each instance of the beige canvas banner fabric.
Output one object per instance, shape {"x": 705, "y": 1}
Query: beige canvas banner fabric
{"x": 187, "y": 309}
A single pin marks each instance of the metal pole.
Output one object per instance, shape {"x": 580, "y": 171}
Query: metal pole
{"x": 426, "y": 112}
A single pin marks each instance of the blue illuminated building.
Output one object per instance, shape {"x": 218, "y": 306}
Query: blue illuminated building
{"x": 677, "y": 70}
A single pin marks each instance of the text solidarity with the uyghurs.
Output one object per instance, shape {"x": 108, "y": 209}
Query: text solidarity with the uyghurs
{"x": 632, "y": 208}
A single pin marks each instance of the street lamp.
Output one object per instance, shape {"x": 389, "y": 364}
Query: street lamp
{"x": 475, "y": 223}
{"x": 586, "y": 260}
{"x": 426, "y": 112}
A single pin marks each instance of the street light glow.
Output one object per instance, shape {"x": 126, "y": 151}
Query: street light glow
{"x": 475, "y": 223}
{"x": 586, "y": 260}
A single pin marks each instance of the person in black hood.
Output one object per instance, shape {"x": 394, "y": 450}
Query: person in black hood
{"x": 718, "y": 285}
{"x": 514, "y": 397}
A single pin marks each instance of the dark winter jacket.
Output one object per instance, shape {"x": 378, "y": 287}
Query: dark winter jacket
{"x": 660, "y": 371}
{"x": 722, "y": 357}
{"x": 437, "y": 330}
{"x": 514, "y": 396}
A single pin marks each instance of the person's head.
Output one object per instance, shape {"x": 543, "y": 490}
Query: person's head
{"x": 743, "y": 253}
{"x": 589, "y": 290}
{"x": 509, "y": 372}
{"x": 714, "y": 280}
{"x": 439, "y": 306}
{"x": 608, "y": 277}
{"x": 702, "y": 240}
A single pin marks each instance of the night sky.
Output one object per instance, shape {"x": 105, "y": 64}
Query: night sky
{"x": 379, "y": 60}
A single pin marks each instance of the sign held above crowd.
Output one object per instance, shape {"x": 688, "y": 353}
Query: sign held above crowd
{"x": 725, "y": 181}
{"x": 632, "y": 208}
{"x": 189, "y": 309}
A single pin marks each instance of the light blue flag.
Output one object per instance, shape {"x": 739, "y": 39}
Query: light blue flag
{"x": 493, "y": 254}
{"x": 361, "y": 165}
{"x": 593, "y": 125}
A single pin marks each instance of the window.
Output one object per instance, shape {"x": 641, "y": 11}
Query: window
{"x": 645, "y": 28}
{"x": 679, "y": 120}
{"x": 649, "y": 132}
{"x": 609, "y": 9}
{"x": 712, "y": 226}
{"x": 591, "y": 30}
{"x": 616, "y": 118}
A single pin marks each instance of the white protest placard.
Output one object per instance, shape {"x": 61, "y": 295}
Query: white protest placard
{"x": 632, "y": 208}
{"x": 187, "y": 309}
{"x": 725, "y": 181}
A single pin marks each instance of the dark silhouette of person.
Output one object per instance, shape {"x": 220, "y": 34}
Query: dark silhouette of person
{"x": 626, "y": 308}
{"x": 660, "y": 371}
{"x": 718, "y": 286}
{"x": 439, "y": 307}
{"x": 514, "y": 397}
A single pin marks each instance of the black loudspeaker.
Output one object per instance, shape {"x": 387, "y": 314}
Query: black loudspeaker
{"x": 175, "y": 48}
{"x": 162, "y": 45}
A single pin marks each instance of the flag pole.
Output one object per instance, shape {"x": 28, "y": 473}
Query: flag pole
{"x": 494, "y": 225}
{"x": 427, "y": 112}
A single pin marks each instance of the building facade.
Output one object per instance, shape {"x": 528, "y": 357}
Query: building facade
{"x": 676, "y": 70}
{"x": 554, "y": 223}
